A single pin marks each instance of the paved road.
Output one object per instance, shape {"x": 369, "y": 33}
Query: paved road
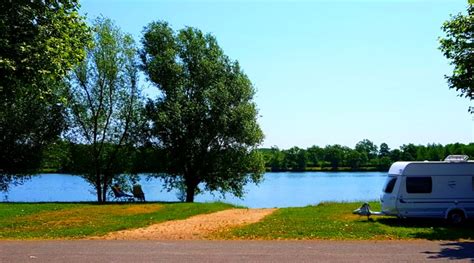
{"x": 233, "y": 251}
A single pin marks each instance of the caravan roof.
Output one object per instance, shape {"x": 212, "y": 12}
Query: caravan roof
{"x": 432, "y": 168}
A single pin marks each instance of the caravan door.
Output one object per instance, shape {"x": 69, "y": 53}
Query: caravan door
{"x": 389, "y": 196}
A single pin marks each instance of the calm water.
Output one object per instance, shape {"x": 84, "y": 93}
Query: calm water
{"x": 277, "y": 189}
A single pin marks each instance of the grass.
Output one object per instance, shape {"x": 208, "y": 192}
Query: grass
{"x": 335, "y": 221}
{"x": 325, "y": 221}
{"x": 79, "y": 220}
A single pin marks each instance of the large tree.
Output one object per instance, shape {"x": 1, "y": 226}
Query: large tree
{"x": 205, "y": 119}
{"x": 458, "y": 47}
{"x": 39, "y": 42}
{"x": 104, "y": 106}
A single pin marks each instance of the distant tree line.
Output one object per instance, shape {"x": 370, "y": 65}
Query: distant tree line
{"x": 366, "y": 156}
{"x": 67, "y": 157}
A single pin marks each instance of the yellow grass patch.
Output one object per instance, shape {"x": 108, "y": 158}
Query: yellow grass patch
{"x": 349, "y": 217}
{"x": 85, "y": 215}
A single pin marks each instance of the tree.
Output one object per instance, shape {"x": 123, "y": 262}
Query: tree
{"x": 458, "y": 47}
{"x": 40, "y": 41}
{"x": 367, "y": 147}
{"x": 395, "y": 155}
{"x": 384, "y": 150}
{"x": 296, "y": 159}
{"x": 334, "y": 154}
{"x": 104, "y": 106}
{"x": 355, "y": 159}
{"x": 421, "y": 153}
{"x": 408, "y": 152}
{"x": 315, "y": 154}
{"x": 384, "y": 163}
{"x": 436, "y": 152}
{"x": 276, "y": 160}
{"x": 205, "y": 119}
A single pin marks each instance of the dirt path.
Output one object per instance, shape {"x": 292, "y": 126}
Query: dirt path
{"x": 196, "y": 227}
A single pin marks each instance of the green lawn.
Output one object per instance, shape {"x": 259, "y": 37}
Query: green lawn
{"x": 79, "y": 220}
{"x": 336, "y": 221}
{"x": 325, "y": 221}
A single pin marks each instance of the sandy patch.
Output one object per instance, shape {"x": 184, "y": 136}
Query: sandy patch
{"x": 196, "y": 227}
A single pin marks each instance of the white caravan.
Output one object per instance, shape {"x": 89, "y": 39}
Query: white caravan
{"x": 442, "y": 189}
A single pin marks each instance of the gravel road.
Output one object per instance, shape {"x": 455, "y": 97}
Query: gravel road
{"x": 234, "y": 251}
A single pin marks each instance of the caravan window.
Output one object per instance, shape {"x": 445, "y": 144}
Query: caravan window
{"x": 390, "y": 184}
{"x": 419, "y": 185}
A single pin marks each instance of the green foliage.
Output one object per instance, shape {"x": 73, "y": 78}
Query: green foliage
{"x": 39, "y": 42}
{"x": 63, "y": 157}
{"x": 334, "y": 154}
{"x": 104, "y": 107}
{"x": 384, "y": 150}
{"x": 205, "y": 118}
{"x": 409, "y": 152}
{"x": 367, "y": 147}
{"x": 68, "y": 220}
{"x": 315, "y": 155}
{"x": 148, "y": 159}
{"x": 341, "y": 158}
{"x": 458, "y": 47}
{"x": 355, "y": 159}
{"x": 335, "y": 221}
{"x": 384, "y": 163}
{"x": 56, "y": 156}
{"x": 274, "y": 159}
{"x": 296, "y": 159}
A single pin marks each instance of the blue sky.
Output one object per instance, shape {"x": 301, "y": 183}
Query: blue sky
{"x": 328, "y": 72}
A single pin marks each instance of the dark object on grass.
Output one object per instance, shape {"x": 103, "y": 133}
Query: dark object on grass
{"x": 121, "y": 195}
{"x": 138, "y": 193}
{"x": 364, "y": 210}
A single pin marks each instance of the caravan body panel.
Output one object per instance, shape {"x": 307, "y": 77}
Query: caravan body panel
{"x": 429, "y": 189}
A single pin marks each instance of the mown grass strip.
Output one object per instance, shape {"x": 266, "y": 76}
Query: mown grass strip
{"x": 79, "y": 220}
{"x": 336, "y": 221}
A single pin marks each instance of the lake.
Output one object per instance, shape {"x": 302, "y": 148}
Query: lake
{"x": 283, "y": 189}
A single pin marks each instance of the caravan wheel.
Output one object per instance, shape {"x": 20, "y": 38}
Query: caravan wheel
{"x": 456, "y": 217}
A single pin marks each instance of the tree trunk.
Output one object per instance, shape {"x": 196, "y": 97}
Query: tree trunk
{"x": 191, "y": 185}
{"x": 104, "y": 187}
{"x": 190, "y": 189}
{"x": 99, "y": 193}
{"x": 104, "y": 193}
{"x": 98, "y": 187}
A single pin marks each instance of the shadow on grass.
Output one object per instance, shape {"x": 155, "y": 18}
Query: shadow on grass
{"x": 453, "y": 251}
{"x": 432, "y": 229}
